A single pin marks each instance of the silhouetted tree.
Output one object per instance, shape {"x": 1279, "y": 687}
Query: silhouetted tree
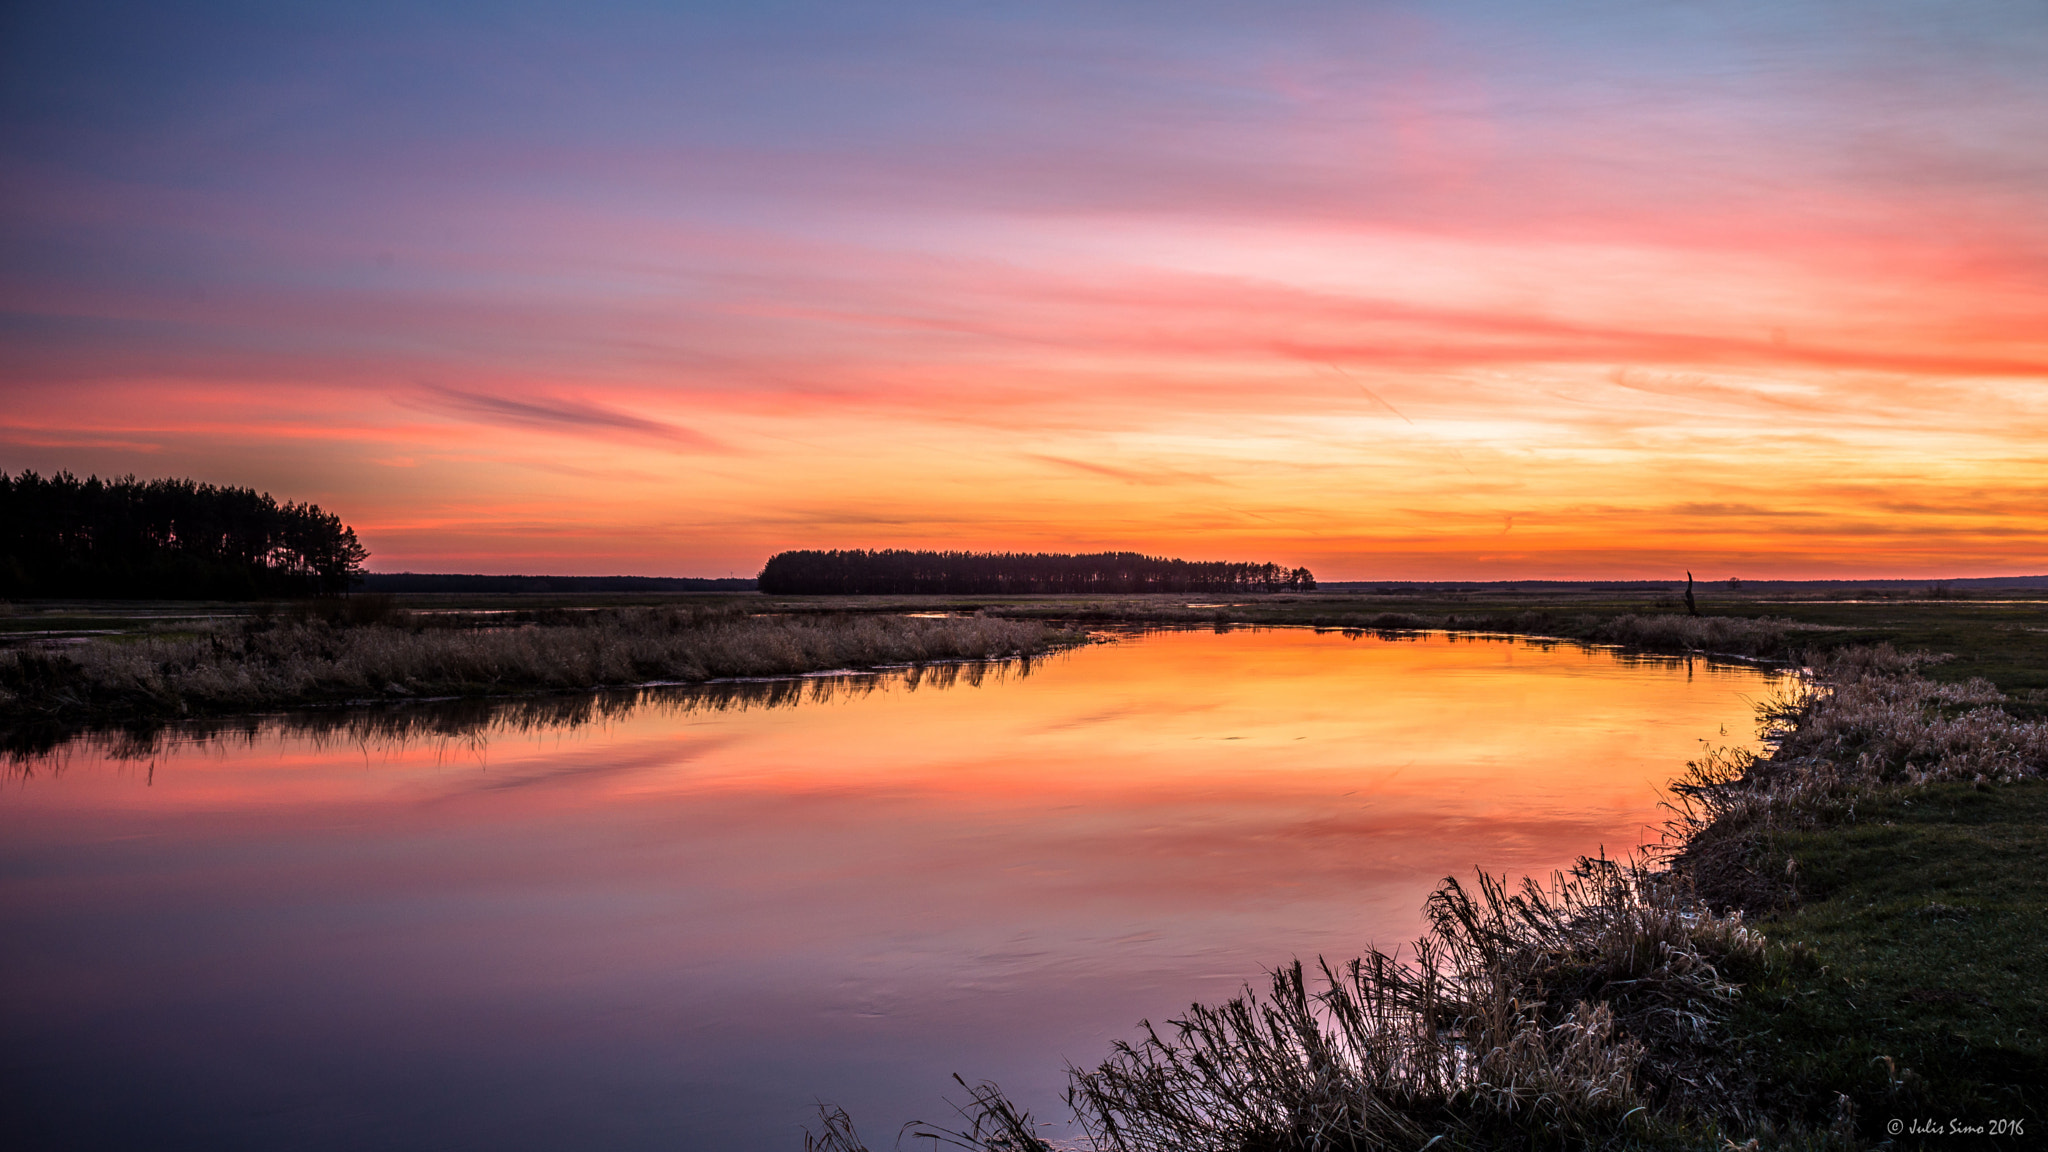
{"x": 896, "y": 572}
{"x": 168, "y": 539}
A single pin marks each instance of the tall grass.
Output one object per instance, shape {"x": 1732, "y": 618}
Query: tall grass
{"x": 1764, "y": 637}
{"x": 276, "y": 663}
{"x": 1864, "y": 723}
{"x": 1557, "y": 1009}
{"x": 1666, "y": 632}
{"x": 1551, "y": 1014}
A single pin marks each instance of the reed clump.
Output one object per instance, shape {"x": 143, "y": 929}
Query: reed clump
{"x": 1552, "y": 1014}
{"x": 1762, "y": 637}
{"x": 1863, "y": 725}
{"x": 282, "y": 661}
{"x": 1556, "y": 1010}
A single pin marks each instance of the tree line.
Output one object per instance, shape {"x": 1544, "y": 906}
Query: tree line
{"x": 895, "y": 572}
{"x": 166, "y": 539}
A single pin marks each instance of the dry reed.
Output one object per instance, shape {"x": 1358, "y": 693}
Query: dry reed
{"x": 1765, "y": 638}
{"x": 1562, "y": 1009}
{"x": 1863, "y": 722}
{"x": 1723, "y": 635}
{"x": 470, "y": 722}
{"x": 266, "y": 665}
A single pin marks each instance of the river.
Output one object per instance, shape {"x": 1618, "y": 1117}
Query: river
{"x": 680, "y": 922}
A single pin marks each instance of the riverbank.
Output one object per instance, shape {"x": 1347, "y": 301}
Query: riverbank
{"x": 2000, "y": 636}
{"x": 1837, "y": 949}
{"x": 1924, "y": 1001}
{"x": 1893, "y": 842}
{"x": 81, "y": 663}
{"x": 1997, "y": 635}
{"x": 370, "y": 652}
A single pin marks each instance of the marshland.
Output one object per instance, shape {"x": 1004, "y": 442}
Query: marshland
{"x": 1830, "y": 927}
{"x": 335, "y": 651}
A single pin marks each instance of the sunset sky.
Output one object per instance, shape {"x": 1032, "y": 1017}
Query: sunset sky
{"x": 1424, "y": 291}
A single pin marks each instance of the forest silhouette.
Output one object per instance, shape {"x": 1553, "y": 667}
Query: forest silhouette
{"x": 895, "y": 572}
{"x": 166, "y": 539}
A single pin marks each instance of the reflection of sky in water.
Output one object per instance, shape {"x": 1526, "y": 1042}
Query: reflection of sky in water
{"x": 678, "y": 925}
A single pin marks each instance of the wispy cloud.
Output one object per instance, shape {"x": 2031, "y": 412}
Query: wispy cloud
{"x": 1145, "y": 476}
{"x": 569, "y": 417}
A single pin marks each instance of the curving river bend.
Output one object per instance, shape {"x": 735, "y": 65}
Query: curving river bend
{"x": 679, "y": 924}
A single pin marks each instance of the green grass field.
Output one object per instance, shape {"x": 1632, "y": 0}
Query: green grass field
{"x": 1927, "y": 998}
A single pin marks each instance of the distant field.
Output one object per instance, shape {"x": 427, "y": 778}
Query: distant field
{"x": 1995, "y": 629}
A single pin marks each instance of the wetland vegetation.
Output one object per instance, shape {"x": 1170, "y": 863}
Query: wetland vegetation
{"x": 361, "y": 649}
{"x": 1838, "y": 934}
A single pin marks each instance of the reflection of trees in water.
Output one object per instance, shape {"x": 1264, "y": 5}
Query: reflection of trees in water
{"x": 473, "y": 723}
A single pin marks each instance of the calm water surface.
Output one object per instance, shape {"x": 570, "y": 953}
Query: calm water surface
{"x": 680, "y": 926}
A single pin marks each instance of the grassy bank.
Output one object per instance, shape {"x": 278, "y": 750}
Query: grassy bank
{"x": 366, "y": 651}
{"x": 1927, "y": 997}
{"x": 2001, "y": 638}
{"x": 1837, "y": 949}
{"x": 1895, "y": 839}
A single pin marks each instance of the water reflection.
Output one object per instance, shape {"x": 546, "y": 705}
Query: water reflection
{"x": 676, "y": 917}
{"x": 471, "y": 723}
